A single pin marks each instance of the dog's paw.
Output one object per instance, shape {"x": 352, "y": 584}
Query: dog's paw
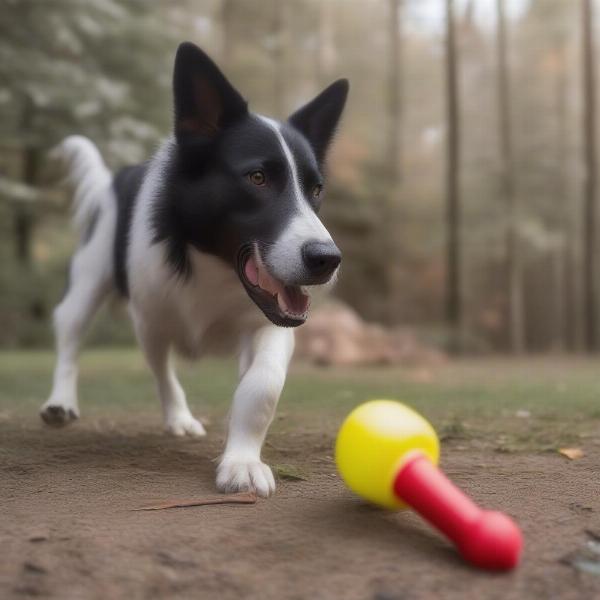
{"x": 245, "y": 476}
{"x": 181, "y": 424}
{"x": 58, "y": 415}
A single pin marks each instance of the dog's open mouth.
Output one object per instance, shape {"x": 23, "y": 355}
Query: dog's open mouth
{"x": 284, "y": 305}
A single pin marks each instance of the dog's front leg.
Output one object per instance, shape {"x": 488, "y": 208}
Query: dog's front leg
{"x": 266, "y": 358}
{"x": 179, "y": 420}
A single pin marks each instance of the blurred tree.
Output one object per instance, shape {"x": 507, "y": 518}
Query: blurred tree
{"x": 394, "y": 142}
{"x": 453, "y": 212}
{"x": 277, "y": 45}
{"x": 514, "y": 288}
{"x": 69, "y": 65}
{"x": 570, "y": 321}
{"x": 103, "y": 68}
{"x": 325, "y": 50}
{"x": 23, "y": 213}
{"x": 590, "y": 183}
{"x": 226, "y": 16}
{"x": 390, "y": 225}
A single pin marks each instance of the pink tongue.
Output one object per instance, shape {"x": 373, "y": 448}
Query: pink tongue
{"x": 251, "y": 271}
{"x": 294, "y": 301}
{"x": 290, "y": 299}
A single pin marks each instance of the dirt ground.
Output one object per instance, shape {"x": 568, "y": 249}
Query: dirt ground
{"x": 67, "y": 529}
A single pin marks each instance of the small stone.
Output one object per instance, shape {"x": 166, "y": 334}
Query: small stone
{"x": 32, "y": 567}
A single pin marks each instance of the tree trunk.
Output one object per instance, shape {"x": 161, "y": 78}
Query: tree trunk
{"x": 226, "y": 18}
{"x": 565, "y": 294}
{"x": 325, "y": 46}
{"x": 570, "y": 301}
{"x": 590, "y": 183}
{"x": 278, "y": 25}
{"x": 514, "y": 275}
{"x": 394, "y": 93}
{"x": 391, "y": 237}
{"x": 23, "y": 217}
{"x": 453, "y": 302}
{"x": 558, "y": 285}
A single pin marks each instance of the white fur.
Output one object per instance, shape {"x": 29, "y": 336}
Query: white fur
{"x": 274, "y": 127}
{"x": 284, "y": 257}
{"x": 87, "y": 173}
{"x": 170, "y": 313}
{"x": 90, "y": 272}
{"x": 253, "y": 408}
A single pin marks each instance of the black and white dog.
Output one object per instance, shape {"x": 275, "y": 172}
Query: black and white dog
{"x": 216, "y": 232}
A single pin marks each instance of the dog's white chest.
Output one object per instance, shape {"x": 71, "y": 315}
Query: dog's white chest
{"x": 213, "y": 307}
{"x": 206, "y": 312}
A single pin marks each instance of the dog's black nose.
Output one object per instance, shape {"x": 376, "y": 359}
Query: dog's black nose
{"x": 321, "y": 259}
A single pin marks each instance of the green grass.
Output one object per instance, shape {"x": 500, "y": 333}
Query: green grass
{"x": 471, "y": 399}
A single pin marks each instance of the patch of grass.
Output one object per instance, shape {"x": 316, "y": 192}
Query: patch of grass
{"x": 465, "y": 400}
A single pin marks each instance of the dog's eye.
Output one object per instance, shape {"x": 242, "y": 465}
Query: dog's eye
{"x": 317, "y": 191}
{"x": 257, "y": 177}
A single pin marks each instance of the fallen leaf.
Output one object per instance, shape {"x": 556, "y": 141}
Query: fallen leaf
{"x": 289, "y": 472}
{"x": 243, "y": 498}
{"x": 572, "y": 453}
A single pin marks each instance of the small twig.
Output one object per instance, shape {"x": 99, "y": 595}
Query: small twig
{"x": 243, "y": 498}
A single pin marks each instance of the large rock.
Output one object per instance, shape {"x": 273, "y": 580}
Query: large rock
{"x": 336, "y": 335}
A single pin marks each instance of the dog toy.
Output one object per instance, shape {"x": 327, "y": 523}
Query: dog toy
{"x": 387, "y": 453}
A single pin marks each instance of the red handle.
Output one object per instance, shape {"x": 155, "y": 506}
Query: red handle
{"x": 487, "y": 539}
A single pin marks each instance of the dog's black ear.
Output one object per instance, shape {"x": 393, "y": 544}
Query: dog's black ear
{"x": 205, "y": 101}
{"x": 318, "y": 119}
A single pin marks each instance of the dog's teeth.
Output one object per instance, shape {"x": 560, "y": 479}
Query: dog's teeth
{"x": 303, "y": 316}
{"x": 282, "y": 304}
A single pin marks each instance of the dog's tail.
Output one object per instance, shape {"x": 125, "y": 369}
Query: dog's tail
{"x": 87, "y": 173}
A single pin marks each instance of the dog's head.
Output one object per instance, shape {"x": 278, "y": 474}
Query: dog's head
{"x": 248, "y": 189}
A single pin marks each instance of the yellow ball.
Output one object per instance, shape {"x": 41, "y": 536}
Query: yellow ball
{"x": 372, "y": 443}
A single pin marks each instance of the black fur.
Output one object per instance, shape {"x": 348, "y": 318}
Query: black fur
{"x": 208, "y": 200}
{"x": 215, "y": 207}
{"x": 208, "y": 197}
{"x": 126, "y": 184}
{"x": 205, "y": 102}
{"x": 318, "y": 120}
